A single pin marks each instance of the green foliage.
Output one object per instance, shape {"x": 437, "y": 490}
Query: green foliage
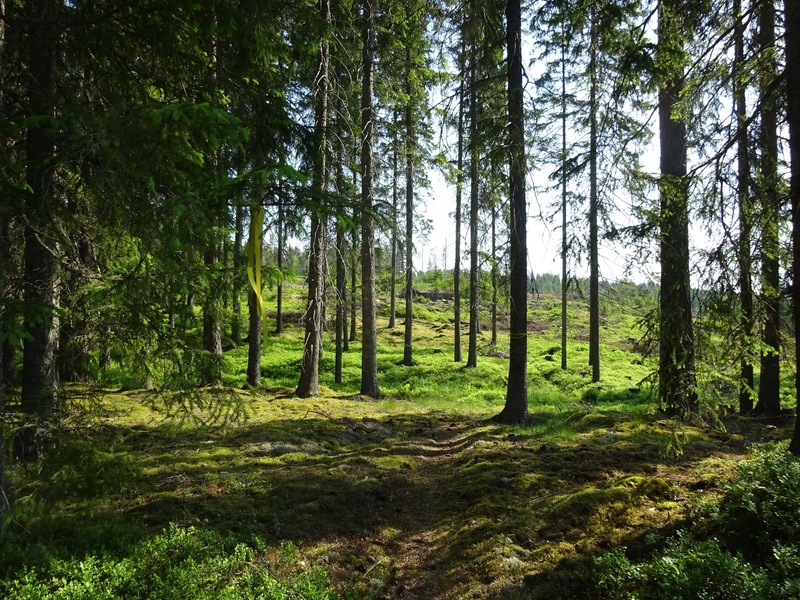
{"x": 686, "y": 568}
{"x": 761, "y": 507}
{"x": 743, "y": 547}
{"x": 703, "y": 569}
{"x": 178, "y": 563}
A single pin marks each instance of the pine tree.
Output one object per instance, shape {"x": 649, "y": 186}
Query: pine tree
{"x": 516, "y": 406}
{"x": 369, "y": 349}
{"x": 313, "y": 320}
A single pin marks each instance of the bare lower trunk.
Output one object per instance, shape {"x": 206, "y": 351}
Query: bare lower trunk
{"x": 594, "y": 265}
{"x": 459, "y": 187}
{"x": 254, "y": 342}
{"x": 279, "y": 307}
{"x": 341, "y": 305}
{"x": 369, "y": 342}
{"x": 393, "y": 283}
{"x": 408, "y": 359}
{"x": 238, "y": 264}
{"x": 494, "y": 275}
{"x": 472, "y": 352}
{"x": 212, "y": 328}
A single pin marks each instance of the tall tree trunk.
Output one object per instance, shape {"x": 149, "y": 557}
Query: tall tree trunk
{"x": 792, "y": 36}
{"x": 312, "y": 346}
{"x": 408, "y": 359}
{"x": 472, "y": 352}
{"x": 494, "y": 274}
{"x": 341, "y": 279}
{"x": 5, "y": 248}
{"x": 212, "y": 328}
{"x": 677, "y": 380}
{"x": 564, "y": 279}
{"x": 369, "y": 341}
{"x": 212, "y": 304}
{"x": 254, "y": 300}
{"x": 393, "y": 290}
{"x": 594, "y": 265}
{"x": 459, "y": 187}
{"x": 41, "y": 280}
{"x": 516, "y": 406}
{"x": 5, "y": 292}
{"x": 236, "y": 323}
{"x": 745, "y": 214}
{"x": 353, "y": 283}
{"x": 769, "y": 399}
{"x": 279, "y": 260}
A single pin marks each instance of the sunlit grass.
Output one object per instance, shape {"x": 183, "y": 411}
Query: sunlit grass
{"x": 417, "y": 488}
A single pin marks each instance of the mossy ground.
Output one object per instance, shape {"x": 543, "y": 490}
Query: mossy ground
{"x": 416, "y": 495}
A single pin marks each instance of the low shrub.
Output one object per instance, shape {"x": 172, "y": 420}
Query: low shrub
{"x": 743, "y": 547}
{"x": 178, "y": 563}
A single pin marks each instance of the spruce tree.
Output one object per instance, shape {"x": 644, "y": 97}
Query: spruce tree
{"x": 677, "y": 378}
{"x": 792, "y": 39}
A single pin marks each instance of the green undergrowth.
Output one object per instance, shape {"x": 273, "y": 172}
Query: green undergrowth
{"x": 236, "y": 492}
{"x": 380, "y": 497}
{"x": 742, "y": 545}
{"x": 180, "y": 562}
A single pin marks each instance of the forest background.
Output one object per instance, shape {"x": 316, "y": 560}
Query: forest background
{"x": 147, "y": 146}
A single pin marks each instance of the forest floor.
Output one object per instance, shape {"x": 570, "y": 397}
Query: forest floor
{"x": 417, "y": 495}
{"x": 390, "y": 497}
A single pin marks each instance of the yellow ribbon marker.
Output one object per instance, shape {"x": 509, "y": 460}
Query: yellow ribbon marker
{"x": 253, "y": 251}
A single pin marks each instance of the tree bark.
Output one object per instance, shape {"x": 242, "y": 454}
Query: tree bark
{"x": 494, "y": 275}
{"x": 745, "y": 215}
{"x": 238, "y": 264}
{"x": 564, "y": 279}
{"x": 369, "y": 341}
{"x": 279, "y": 260}
{"x": 341, "y": 281}
{"x": 353, "y": 285}
{"x": 769, "y": 399}
{"x": 408, "y": 359}
{"x": 312, "y": 347}
{"x": 472, "y": 351}
{"x": 516, "y": 406}
{"x": 792, "y": 37}
{"x": 459, "y": 188}
{"x": 677, "y": 380}
{"x": 41, "y": 280}
{"x": 212, "y": 328}
{"x": 255, "y": 307}
{"x": 253, "y": 341}
{"x": 393, "y": 290}
{"x": 594, "y": 264}
{"x": 5, "y": 245}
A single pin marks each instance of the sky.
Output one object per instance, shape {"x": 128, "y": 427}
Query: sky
{"x": 544, "y": 239}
